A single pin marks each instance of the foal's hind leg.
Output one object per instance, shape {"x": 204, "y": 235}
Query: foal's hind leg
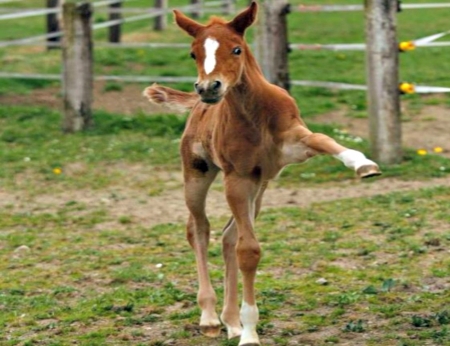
{"x": 230, "y": 313}
{"x": 196, "y": 187}
{"x": 354, "y": 159}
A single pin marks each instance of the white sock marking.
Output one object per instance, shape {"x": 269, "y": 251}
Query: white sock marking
{"x": 249, "y": 319}
{"x": 211, "y": 46}
{"x": 354, "y": 159}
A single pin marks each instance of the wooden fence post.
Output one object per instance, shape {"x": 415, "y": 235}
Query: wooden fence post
{"x": 228, "y": 6}
{"x": 77, "y": 67}
{"x": 382, "y": 80}
{"x": 272, "y": 44}
{"x": 161, "y": 20}
{"x": 197, "y": 12}
{"x": 52, "y": 24}
{"x": 115, "y": 14}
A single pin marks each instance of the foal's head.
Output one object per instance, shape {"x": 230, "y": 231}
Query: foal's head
{"x": 219, "y": 51}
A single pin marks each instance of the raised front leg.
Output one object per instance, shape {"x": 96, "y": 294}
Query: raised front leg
{"x": 241, "y": 194}
{"x": 196, "y": 188}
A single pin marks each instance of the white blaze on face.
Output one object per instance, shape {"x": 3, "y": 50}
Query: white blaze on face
{"x": 211, "y": 46}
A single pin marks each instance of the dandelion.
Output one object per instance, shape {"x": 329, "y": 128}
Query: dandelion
{"x": 26, "y": 159}
{"x": 442, "y": 168}
{"x": 421, "y": 152}
{"x": 438, "y": 150}
{"x": 57, "y": 170}
{"x": 159, "y": 265}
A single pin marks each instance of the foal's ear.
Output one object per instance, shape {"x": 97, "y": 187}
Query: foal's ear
{"x": 244, "y": 19}
{"x": 187, "y": 24}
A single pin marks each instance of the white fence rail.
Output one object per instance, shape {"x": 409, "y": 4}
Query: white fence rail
{"x": 350, "y": 8}
{"x": 426, "y": 42}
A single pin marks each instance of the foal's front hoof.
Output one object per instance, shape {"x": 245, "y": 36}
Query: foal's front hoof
{"x": 210, "y": 331}
{"x": 368, "y": 171}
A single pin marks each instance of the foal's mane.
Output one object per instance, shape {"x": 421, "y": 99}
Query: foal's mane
{"x": 216, "y": 20}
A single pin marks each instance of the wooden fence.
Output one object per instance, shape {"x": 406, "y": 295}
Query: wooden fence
{"x": 271, "y": 48}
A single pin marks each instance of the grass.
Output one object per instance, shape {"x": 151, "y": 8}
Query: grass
{"x": 303, "y": 27}
{"x": 79, "y": 270}
{"x": 95, "y": 159}
{"x": 385, "y": 277}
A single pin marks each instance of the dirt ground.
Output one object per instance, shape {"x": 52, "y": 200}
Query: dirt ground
{"x": 426, "y": 130}
{"x": 169, "y": 206}
{"x": 127, "y": 101}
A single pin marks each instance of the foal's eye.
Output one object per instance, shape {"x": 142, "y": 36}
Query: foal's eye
{"x": 192, "y": 55}
{"x": 237, "y": 51}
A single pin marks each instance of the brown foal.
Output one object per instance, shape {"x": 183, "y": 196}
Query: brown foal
{"x": 250, "y": 129}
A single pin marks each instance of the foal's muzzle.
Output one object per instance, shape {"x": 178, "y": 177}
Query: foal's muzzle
{"x": 210, "y": 92}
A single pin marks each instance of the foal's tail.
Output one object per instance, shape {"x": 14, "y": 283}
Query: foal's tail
{"x": 171, "y": 99}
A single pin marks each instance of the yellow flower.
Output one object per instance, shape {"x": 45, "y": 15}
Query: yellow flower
{"x": 421, "y": 152}
{"x": 407, "y": 88}
{"x": 406, "y": 45}
{"x": 438, "y": 150}
{"x": 57, "y": 170}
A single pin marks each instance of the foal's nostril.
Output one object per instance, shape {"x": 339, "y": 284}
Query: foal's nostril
{"x": 216, "y": 85}
{"x": 199, "y": 89}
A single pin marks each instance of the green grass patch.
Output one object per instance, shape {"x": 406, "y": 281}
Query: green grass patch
{"x": 78, "y": 272}
{"x": 73, "y": 284}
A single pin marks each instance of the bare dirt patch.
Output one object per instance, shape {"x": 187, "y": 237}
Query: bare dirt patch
{"x": 169, "y": 207}
{"x": 127, "y": 101}
{"x": 426, "y": 129}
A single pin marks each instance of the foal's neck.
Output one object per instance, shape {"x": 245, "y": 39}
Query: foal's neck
{"x": 247, "y": 96}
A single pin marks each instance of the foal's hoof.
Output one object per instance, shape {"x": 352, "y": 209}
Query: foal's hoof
{"x": 368, "y": 171}
{"x": 252, "y": 344}
{"x": 210, "y": 331}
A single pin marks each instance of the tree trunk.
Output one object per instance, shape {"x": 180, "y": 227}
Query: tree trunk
{"x": 115, "y": 30}
{"x": 52, "y": 24}
{"x": 272, "y": 43}
{"x": 161, "y": 20}
{"x": 228, "y": 6}
{"x": 382, "y": 80}
{"x": 197, "y": 13}
{"x": 77, "y": 67}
